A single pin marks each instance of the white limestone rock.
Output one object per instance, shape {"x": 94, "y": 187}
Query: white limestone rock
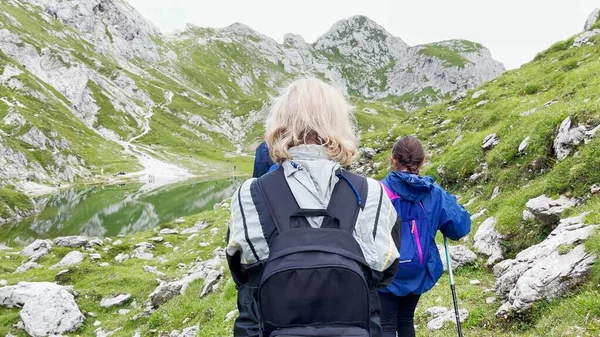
{"x": 442, "y": 315}
{"x": 37, "y": 249}
{"x": 490, "y": 141}
{"x": 114, "y": 301}
{"x": 488, "y": 241}
{"x": 592, "y": 19}
{"x": 459, "y": 255}
{"x": 524, "y": 144}
{"x": 26, "y": 266}
{"x": 547, "y": 270}
{"x": 72, "y": 241}
{"x": 47, "y": 309}
{"x": 547, "y": 210}
{"x": 72, "y": 258}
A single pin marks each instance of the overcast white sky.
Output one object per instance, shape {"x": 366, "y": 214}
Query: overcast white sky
{"x": 514, "y": 30}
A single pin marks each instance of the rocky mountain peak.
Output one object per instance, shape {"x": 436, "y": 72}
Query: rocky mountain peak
{"x": 108, "y": 24}
{"x": 592, "y": 19}
{"x": 362, "y": 39}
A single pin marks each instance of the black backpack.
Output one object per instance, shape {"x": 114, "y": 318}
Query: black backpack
{"x": 316, "y": 281}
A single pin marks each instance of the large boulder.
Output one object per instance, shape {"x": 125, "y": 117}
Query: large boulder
{"x": 547, "y": 270}
{"x": 72, "y": 258}
{"x": 459, "y": 255}
{"x": 488, "y": 241}
{"x": 72, "y": 241}
{"x": 37, "y": 249}
{"x": 47, "y": 309}
{"x": 547, "y": 210}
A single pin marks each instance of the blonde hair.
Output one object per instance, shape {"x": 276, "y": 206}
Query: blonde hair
{"x": 311, "y": 112}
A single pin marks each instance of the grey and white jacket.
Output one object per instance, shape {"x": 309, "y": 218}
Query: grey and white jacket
{"x": 311, "y": 178}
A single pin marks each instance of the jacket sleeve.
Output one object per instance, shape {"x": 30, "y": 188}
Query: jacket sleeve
{"x": 247, "y": 323}
{"x": 455, "y": 220}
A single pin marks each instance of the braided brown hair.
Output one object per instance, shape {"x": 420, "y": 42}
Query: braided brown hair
{"x": 409, "y": 154}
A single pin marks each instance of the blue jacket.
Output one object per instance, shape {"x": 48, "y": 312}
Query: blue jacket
{"x": 262, "y": 161}
{"x": 444, "y": 214}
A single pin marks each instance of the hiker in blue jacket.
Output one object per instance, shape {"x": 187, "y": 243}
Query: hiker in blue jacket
{"x": 262, "y": 161}
{"x": 424, "y": 208}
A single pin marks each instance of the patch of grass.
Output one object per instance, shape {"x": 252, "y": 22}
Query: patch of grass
{"x": 450, "y": 57}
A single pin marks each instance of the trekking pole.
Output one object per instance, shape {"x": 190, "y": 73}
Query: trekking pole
{"x": 453, "y": 288}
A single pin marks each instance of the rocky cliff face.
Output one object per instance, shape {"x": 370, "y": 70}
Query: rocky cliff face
{"x": 82, "y": 80}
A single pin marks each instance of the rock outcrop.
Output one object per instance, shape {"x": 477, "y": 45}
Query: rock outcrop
{"x": 569, "y": 137}
{"x": 547, "y": 210}
{"x": 47, "y": 309}
{"x": 592, "y": 19}
{"x": 210, "y": 271}
{"x": 488, "y": 241}
{"x": 547, "y": 270}
{"x": 459, "y": 255}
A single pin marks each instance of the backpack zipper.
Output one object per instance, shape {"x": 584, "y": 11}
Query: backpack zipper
{"x": 415, "y": 233}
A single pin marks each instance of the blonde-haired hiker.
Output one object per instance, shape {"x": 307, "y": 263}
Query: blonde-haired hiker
{"x": 309, "y": 244}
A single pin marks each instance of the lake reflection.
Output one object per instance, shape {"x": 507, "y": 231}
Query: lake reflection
{"x": 112, "y": 210}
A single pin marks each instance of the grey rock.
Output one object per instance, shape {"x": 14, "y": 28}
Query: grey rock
{"x": 179, "y": 220}
{"x": 524, "y": 144}
{"x": 547, "y": 210}
{"x": 496, "y": 192}
{"x": 113, "y": 301}
{"x": 481, "y": 103}
{"x": 490, "y": 300}
{"x": 37, "y": 249}
{"x": 190, "y": 332}
{"x": 527, "y": 215}
{"x": 488, "y": 241}
{"x": 585, "y": 38}
{"x": 124, "y": 311}
{"x": 442, "y": 315}
{"x": 543, "y": 271}
{"x": 490, "y": 141}
{"x": 198, "y": 227}
{"x": 168, "y": 231}
{"x": 48, "y": 309}
{"x": 121, "y": 257}
{"x": 145, "y": 245}
{"x": 3, "y": 283}
{"x": 211, "y": 271}
{"x": 95, "y": 257}
{"x": 592, "y": 18}
{"x": 475, "y": 282}
{"x": 157, "y": 239}
{"x": 567, "y": 138}
{"x": 117, "y": 243}
{"x": 95, "y": 242}
{"x": 478, "y": 214}
{"x": 459, "y": 255}
{"x": 104, "y": 264}
{"x": 231, "y": 315}
{"x": 26, "y": 266}
{"x": 478, "y": 94}
{"x": 72, "y": 258}
{"x": 153, "y": 270}
{"x": 595, "y": 189}
{"x": 72, "y": 241}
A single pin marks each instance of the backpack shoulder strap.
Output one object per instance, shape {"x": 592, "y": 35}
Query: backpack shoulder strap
{"x": 279, "y": 198}
{"x": 347, "y": 199}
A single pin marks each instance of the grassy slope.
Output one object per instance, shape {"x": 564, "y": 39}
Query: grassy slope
{"x": 568, "y": 76}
